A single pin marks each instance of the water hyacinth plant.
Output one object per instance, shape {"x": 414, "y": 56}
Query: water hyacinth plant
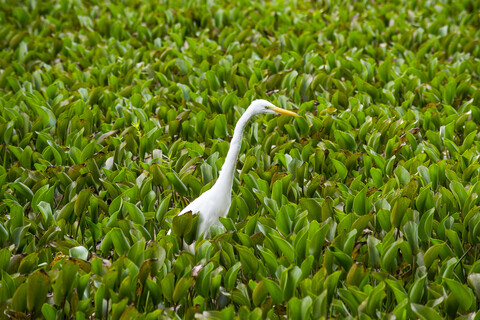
{"x": 115, "y": 115}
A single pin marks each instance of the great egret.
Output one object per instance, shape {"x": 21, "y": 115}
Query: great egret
{"x": 215, "y": 202}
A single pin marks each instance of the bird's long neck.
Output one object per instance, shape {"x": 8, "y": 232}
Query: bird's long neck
{"x": 225, "y": 178}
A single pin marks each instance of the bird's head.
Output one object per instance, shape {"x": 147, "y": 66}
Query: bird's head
{"x": 261, "y": 106}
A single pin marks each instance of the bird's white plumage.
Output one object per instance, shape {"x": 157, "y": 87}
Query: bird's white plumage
{"x": 210, "y": 206}
{"x": 215, "y": 202}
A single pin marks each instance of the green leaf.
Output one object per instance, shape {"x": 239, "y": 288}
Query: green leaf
{"x": 148, "y": 267}
{"x": 270, "y": 260}
{"x": 425, "y": 225}
{"x": 19, "y": 299}
{"x": 289, "y": 281}
{"x": 119, "y": 241}
{"x": 274, "y": 290}
{"x": 398, "y": 290}
{"x": 345, "y": 140}
{"x": 249, "y": 262}
{"x": 356, "y": 274}
{"x": 411, "y": 233}
{"x": 313, "y": 207}
{"x": 390, "y": 254}
{"x": 284, "y": 247}
{"x": 284, "y": 224}
{"x": 343, "y": 259}
{"x": 448, "y": 92}
{"x": 331, "y": 284}
{"x": 402, "y": 175}
{"x": 398, "y": 211}
{"x": 375, "y": 299}
{"x": 135, "y": 213}
{"x": 168, "y": 285}
{"x": 182, "y": 224}
{"x": 432, "y": 253}
{"x": 299, "y": 309}
{"x": 177, "y": 184}
{"x": 459, "y": 193}
{"x": 181, "y": 289}
{"x": 46, "y": 212}
{"x": 186, "y": 227}
{"x": 203, "y": 280}
{"x": 38, "y": 285}
{"x": 162, "y": 208}
{"x": 79, "y": 252}
{"x": 22, "y": 190}
{"x": 360, "y": 202}
{"x": 29, "y": 263}
{"x": 82, "y": 201}
{"x": 474, "y": 281}
{"x": 341, "y": 169}
{"x": 417, "y": 290}
{"x": 424, "y": 312}
{"x": 49, "y": 312}
{"x": 231, "y": 276}
{"x": 462, "y": 294}
{"x": 259, "y": 293}
{"x": 220, "y": 126}
{"x": 99, "y": 296}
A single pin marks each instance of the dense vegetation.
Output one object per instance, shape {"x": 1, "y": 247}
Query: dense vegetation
{"x": 114, "y": 115}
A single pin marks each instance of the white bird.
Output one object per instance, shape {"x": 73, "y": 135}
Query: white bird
{"x": 215, "y": 202}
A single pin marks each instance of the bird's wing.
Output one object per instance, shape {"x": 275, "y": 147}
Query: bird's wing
{"x": 203, "y": 203}
{"x": 192, "y": 206}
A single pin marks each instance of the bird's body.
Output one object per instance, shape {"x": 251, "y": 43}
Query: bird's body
{"x": 215, "y": 202}
{"x": 210, "y": 206}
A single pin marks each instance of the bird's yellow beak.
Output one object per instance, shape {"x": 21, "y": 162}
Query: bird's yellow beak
{"x": 283, "y": 111}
